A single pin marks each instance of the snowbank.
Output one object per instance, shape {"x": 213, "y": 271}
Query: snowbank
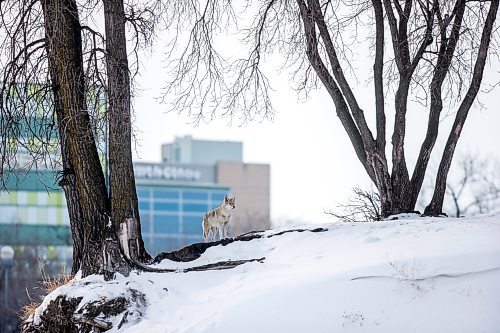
{"x": 407, "y": 275}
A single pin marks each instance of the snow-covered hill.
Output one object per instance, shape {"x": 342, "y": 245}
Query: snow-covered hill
{"x": 407, "y": 275}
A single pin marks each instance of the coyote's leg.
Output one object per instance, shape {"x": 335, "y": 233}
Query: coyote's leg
{"x": 214, "y": 232}
{"x": 221, "y": 231}
{"x": 206, "y": 230}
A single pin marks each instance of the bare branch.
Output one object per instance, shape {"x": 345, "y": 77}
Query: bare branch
{"x": 363, "y": 206}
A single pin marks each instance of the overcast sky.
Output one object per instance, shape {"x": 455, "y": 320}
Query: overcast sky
{"x": 313, "y": 165}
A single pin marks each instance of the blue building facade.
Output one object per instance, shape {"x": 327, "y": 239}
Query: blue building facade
{"x": 173, "y": 197}
{"x": 172, "y": 202}
{"x": 171, "y": 215}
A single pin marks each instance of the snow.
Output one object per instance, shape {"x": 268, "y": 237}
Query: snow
{"x": 407, "y": 275}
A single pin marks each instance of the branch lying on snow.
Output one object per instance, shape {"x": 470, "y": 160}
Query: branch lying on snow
{"x": 221, "y": 265}
{"x": 194, "y": 251}
{"x": 208, "y": 267}
{"x": 128, "y": 241}
{"x": 297, "y": 230}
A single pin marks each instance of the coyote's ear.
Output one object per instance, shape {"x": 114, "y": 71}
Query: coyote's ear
{"x": 225, "y": 198}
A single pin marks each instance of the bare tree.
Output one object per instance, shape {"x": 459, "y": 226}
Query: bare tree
{"x": 474, "y": 188}
{"x": 362, "y": 206}
{"x": 434, "y": 53}
{"x": 64, "y": 51}
{"x": 29, "y": 90}
{"x": 54, "y": 74}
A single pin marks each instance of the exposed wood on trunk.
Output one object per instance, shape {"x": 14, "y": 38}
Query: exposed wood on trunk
{"x": 123, "y": 194}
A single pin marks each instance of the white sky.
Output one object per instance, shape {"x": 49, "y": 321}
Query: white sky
{"x": 313, "y": 165}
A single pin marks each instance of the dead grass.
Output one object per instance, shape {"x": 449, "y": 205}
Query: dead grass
{"x": 28, "y": 310}
{"x": 409, "y": 274}
{"x": 49, "y": 284}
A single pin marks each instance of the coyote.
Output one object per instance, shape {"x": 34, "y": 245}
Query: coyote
{"x": 218, "y": 219}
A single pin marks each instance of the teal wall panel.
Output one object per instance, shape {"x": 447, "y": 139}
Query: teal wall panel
{"x": 28, "y": 234}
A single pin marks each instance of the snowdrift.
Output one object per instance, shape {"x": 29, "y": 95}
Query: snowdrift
{"x": 407, "y": 275}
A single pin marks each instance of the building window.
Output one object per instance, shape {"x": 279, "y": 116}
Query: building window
{"x": 166, "y": 223}
{"x": 166, "y": 206}
{"x": 145, "y": 223}
{"x": 195, "y": 195}
{"x": 166, "y": 194}
{"x": 218, "y": 197}
{"x": 143, "y": 205}
{"x": 171, "y": 217}
{"x": 195, "y": 207}
{"x": 143, "y": 193}
{"x": 177, "y": 152}
{"x": 192, "y": 224}
{"x": 161, "y": 244}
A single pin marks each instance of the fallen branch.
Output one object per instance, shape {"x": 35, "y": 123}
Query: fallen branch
{"x": 221, "y": 265}
{"x": 194, "y": 251}
{"x": 297, "y": 230}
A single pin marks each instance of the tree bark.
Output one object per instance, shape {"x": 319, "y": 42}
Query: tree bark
{"x": 123, "y": 194}
{"x": 378, "y": 69}
{"x": 333, "y": 89}
{"x": 400, "y": 176}
{"x": 435, "y": 207}
{"x": 379, "y": 160}
{"x": 63, "y": 35}
{"x": 68, "y": 181}
{"x": 446, "y": 52}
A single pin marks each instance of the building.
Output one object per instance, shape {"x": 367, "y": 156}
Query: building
{"x": 193, "y": 178}
{"x": 33, "y": 208}
{"x": 172, "y": 201}
{"x": 186, "y": 150}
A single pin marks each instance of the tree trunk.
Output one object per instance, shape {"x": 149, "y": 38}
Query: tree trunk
{"x": 68, "y": 181}
{"x": 383, "y": 183}
{"x": 64, "y": 47}
{"x": 445, "y": 57}
{"x": 435, "y": 207}
{"x": 123, "y": 194}
{"x": 400, "y": 178}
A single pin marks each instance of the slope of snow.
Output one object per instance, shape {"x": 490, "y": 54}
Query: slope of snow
{"x": 407, "y": 275}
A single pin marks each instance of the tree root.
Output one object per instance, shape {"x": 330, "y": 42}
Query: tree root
{"x": 94, "y": 322}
